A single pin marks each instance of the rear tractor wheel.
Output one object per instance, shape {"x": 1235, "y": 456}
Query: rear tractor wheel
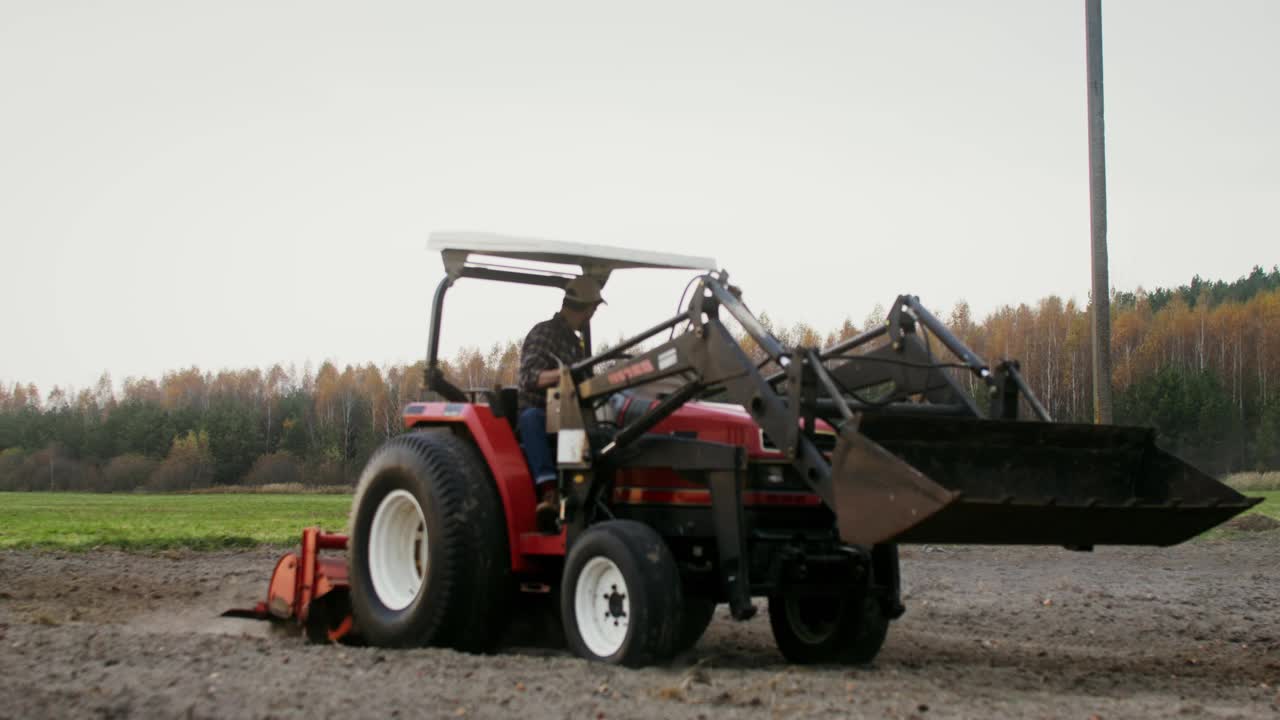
{"x": 427, "y": 554}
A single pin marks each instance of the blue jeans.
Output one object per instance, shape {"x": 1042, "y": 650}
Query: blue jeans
{"x": 537, "y": 445}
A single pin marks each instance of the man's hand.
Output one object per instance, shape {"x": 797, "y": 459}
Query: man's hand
{"x": 548, "y": 378}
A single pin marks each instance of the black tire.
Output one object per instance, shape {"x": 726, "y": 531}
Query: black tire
{"x": 648, "y": 605}
{"x": 698, "y": 611}
{"x": 846, "y": 626}
{"x": 461, "y": 601}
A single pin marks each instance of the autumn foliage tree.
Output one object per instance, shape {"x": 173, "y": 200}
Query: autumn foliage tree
{"x": 1199, "y": 363}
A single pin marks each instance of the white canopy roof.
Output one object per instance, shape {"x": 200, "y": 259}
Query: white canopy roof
{"x": 593, "y": 259}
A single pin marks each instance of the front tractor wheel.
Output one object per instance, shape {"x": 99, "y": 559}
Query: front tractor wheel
{"x": 427, "y": 555}
{"x": 620, "y": 597}
{"x": 836, "y": 625}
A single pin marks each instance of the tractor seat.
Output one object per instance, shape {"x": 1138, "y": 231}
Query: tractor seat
{"x": 504, "y": 402}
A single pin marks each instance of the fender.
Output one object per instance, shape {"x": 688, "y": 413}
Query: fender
{"x": 502, "y": 454}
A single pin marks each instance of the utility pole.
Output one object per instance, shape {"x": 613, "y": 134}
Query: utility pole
{"x": 1098, "y": 217}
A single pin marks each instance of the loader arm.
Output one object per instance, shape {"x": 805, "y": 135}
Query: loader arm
{"x": 707, "y": 355}
{"x": 709, "y": 358}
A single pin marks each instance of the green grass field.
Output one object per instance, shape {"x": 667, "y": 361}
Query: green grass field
{"x": 1271, "y": 502}
{"x": 73, "y": 521}
{"x": 69, "y": 521}
{"x": 1249, "y": 482}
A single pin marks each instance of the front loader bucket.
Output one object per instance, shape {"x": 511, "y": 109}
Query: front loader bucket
{"x": 959, "y": 480}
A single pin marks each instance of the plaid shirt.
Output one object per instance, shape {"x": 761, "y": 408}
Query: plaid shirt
{"x": 548, "y": 340}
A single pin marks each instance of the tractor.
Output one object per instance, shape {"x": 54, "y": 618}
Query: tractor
{"x": 692, "y": 474}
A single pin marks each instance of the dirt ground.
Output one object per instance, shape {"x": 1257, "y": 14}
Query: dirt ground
{"x": 1191, "y": 631}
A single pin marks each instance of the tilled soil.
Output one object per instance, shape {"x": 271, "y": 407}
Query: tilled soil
{"x": 1189, "y": 631}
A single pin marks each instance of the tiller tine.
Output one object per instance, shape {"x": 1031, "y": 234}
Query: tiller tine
{"x": 258, "y": 612}
{"x": 310, "y": 589}
{"x": 959, "y": 480}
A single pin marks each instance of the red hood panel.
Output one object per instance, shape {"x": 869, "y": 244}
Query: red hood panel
{"x": 726, "y": 423}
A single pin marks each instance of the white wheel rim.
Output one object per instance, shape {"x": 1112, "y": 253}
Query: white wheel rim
{"x": 602, "y": 607}
{"x": 398, "y": 550}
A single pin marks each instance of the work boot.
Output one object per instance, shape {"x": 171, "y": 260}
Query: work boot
{"x": 547, "y": 513}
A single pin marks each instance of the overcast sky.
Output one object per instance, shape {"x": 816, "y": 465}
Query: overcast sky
{"x": 234, "y": 184}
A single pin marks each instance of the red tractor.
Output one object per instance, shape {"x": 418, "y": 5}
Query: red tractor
{"x": 689, "y": 478}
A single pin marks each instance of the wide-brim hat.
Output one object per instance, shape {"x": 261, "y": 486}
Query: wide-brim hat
{"x": 583, "y": 290}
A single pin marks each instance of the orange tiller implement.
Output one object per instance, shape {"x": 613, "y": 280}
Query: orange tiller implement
{"x": 310, "y": 589}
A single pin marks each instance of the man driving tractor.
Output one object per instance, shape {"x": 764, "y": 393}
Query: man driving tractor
{"x": 548, "y": 344}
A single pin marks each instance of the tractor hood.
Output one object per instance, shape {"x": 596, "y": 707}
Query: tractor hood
{"x": 725, "y": 423}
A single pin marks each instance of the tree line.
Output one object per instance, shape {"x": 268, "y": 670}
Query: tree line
{"x": 1199, "y": 363}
